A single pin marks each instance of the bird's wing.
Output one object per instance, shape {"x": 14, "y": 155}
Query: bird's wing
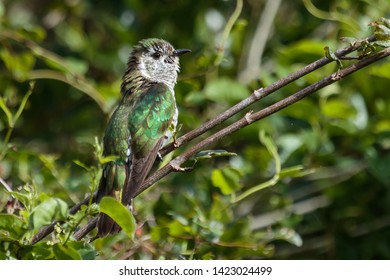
{"x": 148, "y": 122}
{"x": 115, "y": 143}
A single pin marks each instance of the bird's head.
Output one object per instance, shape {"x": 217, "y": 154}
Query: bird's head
{"x": 156, "y": 60}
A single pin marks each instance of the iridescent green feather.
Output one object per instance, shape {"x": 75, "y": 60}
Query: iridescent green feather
{"x": 150, "y": 118}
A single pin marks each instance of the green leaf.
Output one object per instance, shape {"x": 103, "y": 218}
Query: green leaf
{"x": 86, "y": 250}
{"x": 226, "y": 179}
{"x": 103, "y": 160}
{"x": 79, "y": 163}
{"x": 381, "y": 32}
{"x": 120, "y": 214}
{"x": 24, "y": 198}
{"x": 11, "y": 226}
{"x": 212, "y": 153}
{"x": 19, "y": 65}
{"x": 63, "y": 252}
{"x": 176, "y": 228}
{"x": 48, "y": 211}
{"x": 40, "y": 251}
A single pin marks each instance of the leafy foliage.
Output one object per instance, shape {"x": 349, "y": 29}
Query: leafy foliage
{"x": 308, "y": 182}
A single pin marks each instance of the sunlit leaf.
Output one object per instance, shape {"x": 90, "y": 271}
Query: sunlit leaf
{"x": 176, "y": 228}
{"x": 120, "y": 214}
{"x": 48, "y": 211}
{"x": 106, "y": 159}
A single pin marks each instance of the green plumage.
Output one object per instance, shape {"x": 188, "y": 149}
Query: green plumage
{"x": 151, "y": 117}
{"x": 143, "y": 121}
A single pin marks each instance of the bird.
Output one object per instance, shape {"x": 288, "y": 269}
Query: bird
{"x": 144, "y": 120}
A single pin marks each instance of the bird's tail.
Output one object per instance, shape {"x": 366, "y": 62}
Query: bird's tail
{"x": 110, "y": 181}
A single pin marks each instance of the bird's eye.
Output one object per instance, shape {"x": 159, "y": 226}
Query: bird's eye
{"x": 156, "y": 55}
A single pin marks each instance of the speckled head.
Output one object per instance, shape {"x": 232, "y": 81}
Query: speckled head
{"x": 156, "y": 60}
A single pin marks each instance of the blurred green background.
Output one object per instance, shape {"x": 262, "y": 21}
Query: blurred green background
{"x": 334, "y": 204}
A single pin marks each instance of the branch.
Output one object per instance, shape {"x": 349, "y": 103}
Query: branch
{"x": 249, "y": 118}
{"x": 87, "y": 228}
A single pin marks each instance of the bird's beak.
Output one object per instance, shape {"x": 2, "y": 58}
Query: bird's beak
{"x": 179, "y": 52}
